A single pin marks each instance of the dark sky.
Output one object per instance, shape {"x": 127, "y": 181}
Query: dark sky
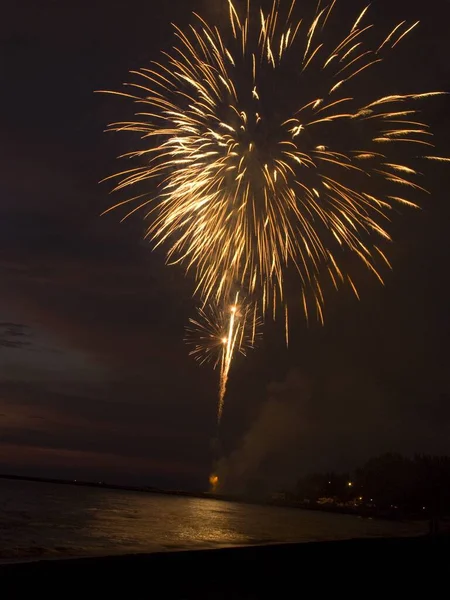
{"x": 95, "y": 381}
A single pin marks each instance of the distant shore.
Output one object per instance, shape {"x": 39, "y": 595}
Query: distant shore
{"x": 274, "y": 571}
{"x": 360, "y": 511}
{"x": 105, "y": 485}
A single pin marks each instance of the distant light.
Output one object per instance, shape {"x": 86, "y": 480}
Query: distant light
{"x": 329, "y": 482}
{"x": 214, "y": 481}
{"x": 350, "y": 483}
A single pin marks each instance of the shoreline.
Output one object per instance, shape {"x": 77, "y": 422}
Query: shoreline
{"x": 362, "y": 512}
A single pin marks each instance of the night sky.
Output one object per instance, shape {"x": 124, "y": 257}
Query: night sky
{"x": 95, "y": 381}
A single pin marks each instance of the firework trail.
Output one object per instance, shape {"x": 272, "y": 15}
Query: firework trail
{"x": 218, "y": 334}
{"x": 260, "y": 153}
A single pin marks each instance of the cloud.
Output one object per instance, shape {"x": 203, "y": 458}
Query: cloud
{"x": 101, "y": 423}
{"x": 13, "y": 335}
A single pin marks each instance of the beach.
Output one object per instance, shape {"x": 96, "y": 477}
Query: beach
{"x": 352, "y": 567}
{"x": 58, "y": 541}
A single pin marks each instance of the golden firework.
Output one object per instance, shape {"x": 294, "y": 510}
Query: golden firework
{"x": 259, "y": 155}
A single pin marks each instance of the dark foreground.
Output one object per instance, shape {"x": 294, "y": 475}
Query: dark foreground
{"x": 353, "y": 568}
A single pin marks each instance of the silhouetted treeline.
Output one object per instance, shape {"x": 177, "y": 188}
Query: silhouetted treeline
{"x": 390, "y": 482}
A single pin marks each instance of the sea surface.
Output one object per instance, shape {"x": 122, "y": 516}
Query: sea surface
{"x": 43, "y": 520}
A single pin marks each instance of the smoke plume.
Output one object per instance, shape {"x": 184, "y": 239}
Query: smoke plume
{"x": 261, "y": 461}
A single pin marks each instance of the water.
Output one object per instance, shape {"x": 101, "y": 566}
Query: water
{"x": 46, "y": 520}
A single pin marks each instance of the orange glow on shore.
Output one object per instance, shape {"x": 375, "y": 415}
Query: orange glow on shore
{"x": 214, "y": 482}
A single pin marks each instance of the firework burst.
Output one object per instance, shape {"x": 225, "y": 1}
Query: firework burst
{"x": 262, "y": 155}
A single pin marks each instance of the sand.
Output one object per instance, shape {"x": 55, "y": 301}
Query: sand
{"x": 385, "y": 568}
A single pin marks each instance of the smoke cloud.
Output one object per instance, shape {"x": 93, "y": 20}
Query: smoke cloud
{"x": 261, "y": 461}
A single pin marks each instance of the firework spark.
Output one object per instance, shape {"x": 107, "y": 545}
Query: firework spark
{"x": 247, "y": 132}
{"x": 261, "y": 153}
{"x": 218, "y": 334}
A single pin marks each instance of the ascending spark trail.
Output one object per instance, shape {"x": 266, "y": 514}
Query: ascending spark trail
{"x": 229, "y": 344}
{"x": 217, "y": 335}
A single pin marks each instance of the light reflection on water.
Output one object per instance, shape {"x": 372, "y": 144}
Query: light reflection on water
{"x": 38, "y": 519}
